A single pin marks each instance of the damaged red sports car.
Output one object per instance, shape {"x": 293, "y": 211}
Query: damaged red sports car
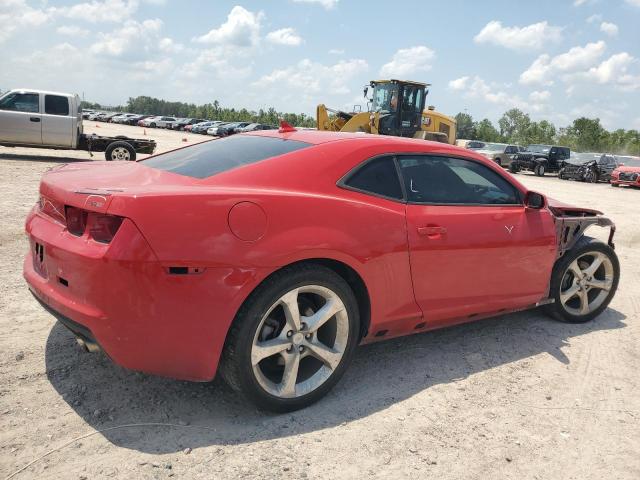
{"x": 270, "y": 256}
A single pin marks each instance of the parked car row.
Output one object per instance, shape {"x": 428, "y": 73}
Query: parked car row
{"x": 588, "y": 167}
{"x": 193, "y": 125}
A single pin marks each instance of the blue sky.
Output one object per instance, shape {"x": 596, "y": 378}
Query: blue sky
{"x": 553, "y": 59}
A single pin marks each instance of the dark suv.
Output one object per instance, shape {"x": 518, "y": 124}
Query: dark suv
{"x": 540, "y": 159}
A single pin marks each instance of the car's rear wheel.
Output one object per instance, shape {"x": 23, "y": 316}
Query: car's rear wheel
{"x": 292, "y": 339}
{"x": 584, "y": 281}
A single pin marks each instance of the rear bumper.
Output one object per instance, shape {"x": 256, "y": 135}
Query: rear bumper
{"x": 122, "y": 298}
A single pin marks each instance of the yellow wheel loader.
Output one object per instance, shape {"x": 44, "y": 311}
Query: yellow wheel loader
{"x": 397, "y": 108}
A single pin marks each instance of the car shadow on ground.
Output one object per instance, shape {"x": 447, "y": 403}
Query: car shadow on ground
{"x": 382, "y": 374}
{"x": 44, "y": 158}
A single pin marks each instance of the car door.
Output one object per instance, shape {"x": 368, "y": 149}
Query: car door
{"x": 20, "y": 119}
{"x": 57, "y": 121}
{"x": 474, "y": 247}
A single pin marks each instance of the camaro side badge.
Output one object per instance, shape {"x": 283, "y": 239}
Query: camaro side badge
{"x": 509, "y": 229}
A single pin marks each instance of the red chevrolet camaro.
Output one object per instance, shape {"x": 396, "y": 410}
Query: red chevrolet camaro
{"x": 270, "y": 256}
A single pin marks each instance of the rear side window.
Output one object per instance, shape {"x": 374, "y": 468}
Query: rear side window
{"x": 209, "y": 158}
{"x": 56, "y": 105}
{"x": 378, "y": 176}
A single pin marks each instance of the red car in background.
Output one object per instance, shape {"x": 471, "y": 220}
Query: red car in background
{"x": 270, "y": 256}
{"x": 628, "y": 173}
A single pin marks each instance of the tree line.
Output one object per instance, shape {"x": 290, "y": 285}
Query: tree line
{"x": 583, "y": 135}
{"x": 144, "y": 105}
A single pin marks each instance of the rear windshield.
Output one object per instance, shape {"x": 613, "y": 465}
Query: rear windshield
{"x": 209, "y": 158}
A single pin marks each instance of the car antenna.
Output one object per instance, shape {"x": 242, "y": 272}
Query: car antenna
{"x": 286, "y": 127}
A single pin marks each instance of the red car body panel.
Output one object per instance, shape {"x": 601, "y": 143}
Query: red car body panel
{"x": 616, "y": 180}
{"x": 232, "y": 230}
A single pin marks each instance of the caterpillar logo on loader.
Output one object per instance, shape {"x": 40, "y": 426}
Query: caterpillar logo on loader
{"x": 397, "y": 108}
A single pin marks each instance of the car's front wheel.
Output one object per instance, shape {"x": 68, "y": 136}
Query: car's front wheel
{"x": 539, "y": 170}
{"x": 584, "y": 281}
{"x": 292, "y": 339}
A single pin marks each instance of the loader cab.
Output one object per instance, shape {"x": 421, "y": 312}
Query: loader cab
{"x": 400, "y": 105}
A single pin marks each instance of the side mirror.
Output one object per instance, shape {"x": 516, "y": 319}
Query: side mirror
{"x": 534, "y": 200}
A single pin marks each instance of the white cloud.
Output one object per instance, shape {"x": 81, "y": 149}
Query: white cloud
{"x": 135, "y": 41}
{"x": 531, "y": 37}
{"x": 477, "y": 88}
{"x": 614, "y": 70}
{"x": 242, "y": 29}
{"x": 72, "y": 30}
{"x": 544, "y": 69}
{"x": 315, "y": 77}
{"x": 594, "y": 18}
{"x": 284, "y": 36}
{"x": 459, "y": 83}
{"x": 610, "y": 29}
{"x": 408, "y": 61}
{"x": 635, "y": 3}
{"x": 336, "y": 51}
{"x": 538, "y": 96}
{"x": 578, "y": 3}
{"x": 101, "y": 10}
{"x": 220, "y": 62}
{"x": 16, "y": 15}
{"x": 328, "y": 4}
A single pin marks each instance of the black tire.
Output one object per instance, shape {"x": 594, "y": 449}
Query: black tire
{"x": 615, "y": 185}
{"x": 561, "y": 174}
{"x": 498, "y": 161}
{"x": 591, "y": 177}
{"x": 109, "y": 152}
{"x": 582, "y": 247}
{"x": 152, "y": 125}
{"x": 235, "y": 364}
{"x": 513, "y": 168}
{"x": 539, "y": 170}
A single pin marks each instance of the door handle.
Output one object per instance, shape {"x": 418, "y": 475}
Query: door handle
{"x": 432, "y": 230}
{"x": 34, "y": 119}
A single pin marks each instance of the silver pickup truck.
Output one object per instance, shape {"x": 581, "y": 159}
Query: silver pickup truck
{"x": 40, "y": 119}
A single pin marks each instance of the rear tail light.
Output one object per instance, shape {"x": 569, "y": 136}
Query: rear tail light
{"x": 76, "y": 220}
{"x": 102, "y": 228}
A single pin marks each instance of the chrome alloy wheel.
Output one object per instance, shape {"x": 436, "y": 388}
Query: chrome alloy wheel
{"x": 120, "y": 153}
{"x": 586, "y": 283}
{"x": 300, "y": 341}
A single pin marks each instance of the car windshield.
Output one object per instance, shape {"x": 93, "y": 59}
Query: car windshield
{"x": 383, "y": 95}
{"x": 495, "y": 147}
{"x": 209, "y": 158}
{"x": 538, "y": 148}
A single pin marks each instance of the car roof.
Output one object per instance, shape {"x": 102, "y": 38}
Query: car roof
{"x": 318, "y": 137}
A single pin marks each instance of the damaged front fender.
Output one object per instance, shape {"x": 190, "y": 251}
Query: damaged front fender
{"x": 571, "y": 223}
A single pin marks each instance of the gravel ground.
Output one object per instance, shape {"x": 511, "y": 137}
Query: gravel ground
{"x": 518, "y": 396}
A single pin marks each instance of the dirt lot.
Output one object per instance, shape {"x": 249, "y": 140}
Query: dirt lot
{"x": 519, "y": 396}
